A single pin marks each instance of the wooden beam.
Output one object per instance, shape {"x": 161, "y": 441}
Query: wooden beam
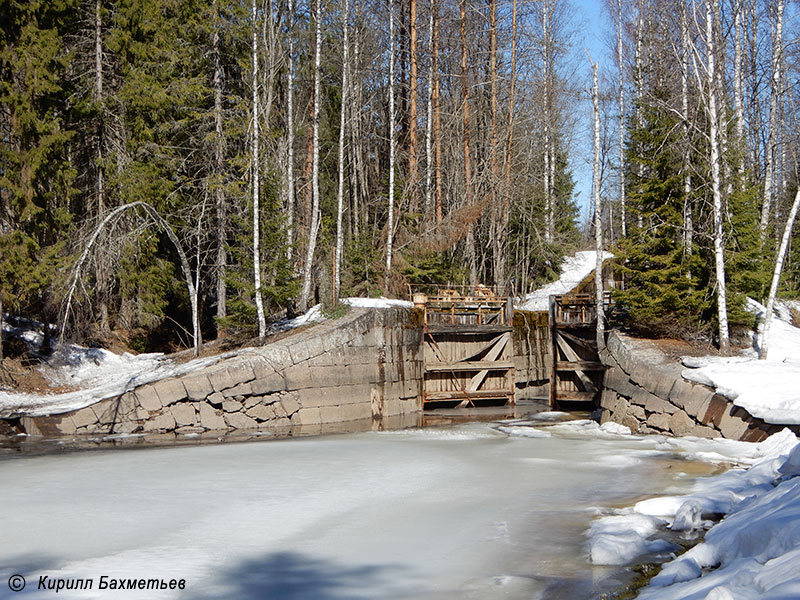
{"x": 572, "y": 356}
{"x": 492, "y": 355}
{"x": 581, "y": 365}
{"x": 470, "y": 366}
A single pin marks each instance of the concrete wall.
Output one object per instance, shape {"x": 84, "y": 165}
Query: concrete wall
{"x": 365, "y": 365}
{"x": 644, "y": 390}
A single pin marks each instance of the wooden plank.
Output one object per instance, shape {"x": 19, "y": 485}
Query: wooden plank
{"x": 572, "y": 356}
{"x": 575, "y": 397}
{"x": 477, "y": 365}
{"x": 581, "y": 365}
{"x": 467, "y": 329}
{"x": 492, "y": 355}
{"x": 458, "y": 395}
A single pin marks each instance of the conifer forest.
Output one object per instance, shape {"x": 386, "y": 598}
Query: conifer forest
{"x": 178, "y": 170}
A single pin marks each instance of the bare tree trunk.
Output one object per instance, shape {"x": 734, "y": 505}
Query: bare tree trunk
{"x": 738, "y": 81}
{"x": 437, "y": 129}
{"x": 429, "y": 122}
{"x": 219, "y": 165}
{"x": 549, "y": 215}
{"x": 639, "y": 85}
{"x": 510, "y": 138}
{"x": 312, "y": 236}
{"x": 412, "y": 108}
{"x": 716, "y": 184}
{"x": 470, "y": 241}
{"x": 598, "y": 214}
{"x": 688, "y": 225}
{"x": 772, "y": 132}
{"x": 262, "y": 323}
{"x": 390, "y": 224}
{"x": 1, "y": 327}
{"x": 100, "y": 190}
{"x": 776, "y": 277}
{"x": 498, "y": 239}
{"x": 290, "y": 137}
{"x": 620, "y": 59}
{"x": 342, "y": 123}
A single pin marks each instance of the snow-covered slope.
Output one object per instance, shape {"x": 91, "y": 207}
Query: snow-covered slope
{"x": 767, "y": 389}
{"x": 574, "y": 269}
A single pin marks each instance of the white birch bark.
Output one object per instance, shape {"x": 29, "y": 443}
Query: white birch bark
{"x": 776, "y": 277}
{"x": 738, "y": 77}
{"x": 548, "y": 200}
{"x": 390, "y": 223}
{"x": 598, "y": 214}
{"x": 623, "y": 212}
{"x": 314, "y": 229}
{"x": 772, "y": 132}
{"x": 262, "y": 323}
{"x": 290, "y": 137}
{"x": 688, "y": 224}
{"x": 337, "y": 268}
{"x": 429, "y": 121}
{"x": 716, "y": 183}
{"x": 219, "y": 157}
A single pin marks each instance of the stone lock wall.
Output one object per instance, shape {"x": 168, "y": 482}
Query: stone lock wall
{"x": 644, "y": 390}
{"x": 365, "y": 365}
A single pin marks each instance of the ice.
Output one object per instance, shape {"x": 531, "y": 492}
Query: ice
{"x": 574, "y": 269}
{"x": 460, "y": 512}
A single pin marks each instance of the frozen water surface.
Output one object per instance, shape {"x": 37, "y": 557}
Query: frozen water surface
{"x": 458, "y": 512}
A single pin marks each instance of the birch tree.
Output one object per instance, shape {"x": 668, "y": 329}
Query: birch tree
{"x": 290, "y": 135}
{"x": 390, "y": 223}
{"x": 315, "y": 216}
{"x": 776, "y": 277}
{"x": 342, "y": 124}
{"x": 262, "y": 323}
{"x": 598, "y": 213}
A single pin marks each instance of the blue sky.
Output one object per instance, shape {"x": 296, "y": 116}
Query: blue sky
{"x": 594, "y": 29}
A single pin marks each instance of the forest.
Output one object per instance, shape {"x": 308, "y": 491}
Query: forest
{"x": 179, "y": 170}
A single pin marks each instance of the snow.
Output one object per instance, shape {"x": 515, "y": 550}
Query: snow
{"x": 574, "y": 269}
{"x": 752, "y": 553}
{"x": 768, "y": 389}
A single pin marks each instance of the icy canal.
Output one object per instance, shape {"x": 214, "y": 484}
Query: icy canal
{"x": 481, "y": 510}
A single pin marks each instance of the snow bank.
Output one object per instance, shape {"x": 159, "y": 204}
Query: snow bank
{"x": 752, "y": 553}
{"x": 574, "y": 269}
{"x": 767, "y": 389}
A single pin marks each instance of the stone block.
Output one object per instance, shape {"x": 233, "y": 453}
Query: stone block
{"x": 242, "y": 389}
{"x": 106, "y": 412}
{"x": 330, "y": 376}
{"x": 307, "y": 416}
{"x": 269, "y": 384}
{"x": 240, "y": 421}
{"x": 631, "y": 423}
{"x": 253, "y": 401}
{"x": 278, "y": 356}
{"x": 198, "y": 387}
{"x": 731, "y": 425}
{"x": 170, "y": 391}
{"x": 656, "y": 404}
{"x": 694, "y": 395}
{"x": 148, "y": 398}
{"x": 221, "y": 380}
{"x": 262, "y": 368}
{"x": 184, "y": 414}
{"x": 162, "y": 422}
{"x": 315, "y": 347}
{"x": 681, "y": 424}
{"x": 231, "y": 406}
{"x": 346, "y": 412}
{"x": 705, "y": 432}
{"x": 364, "y": 373}
{"x": 298, "y": 377}
{"x": 659, "y": 421}
{"x": 211, "y": 418}
{"x": 66, "y": 426}
{"x": 642, "y": 397}
{"x": 638, "y": 412}
{"x": 261, "y": 412}
{"x": 186, "y": 429}
{"x": 241, "y": 372}
{"x": 216, "y": 399}
{"x": 717, "y": 406}
{"x": 299, "y": 352}
{"x": 84, "y": 417}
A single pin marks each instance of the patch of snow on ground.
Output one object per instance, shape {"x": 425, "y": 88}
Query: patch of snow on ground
{"x": 376, "y": 302}
{"x": 752, "y": 553}
{"x": 574, "y": 269}
{"x": 768, "y": 389}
